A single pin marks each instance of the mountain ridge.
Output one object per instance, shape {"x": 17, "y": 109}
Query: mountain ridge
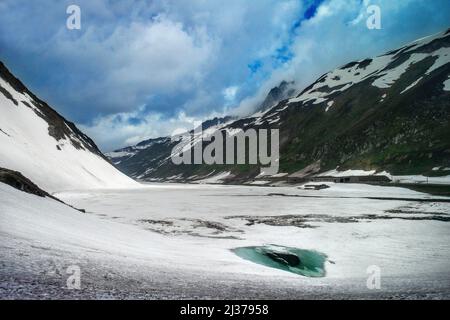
{"x": 388, "y": 112}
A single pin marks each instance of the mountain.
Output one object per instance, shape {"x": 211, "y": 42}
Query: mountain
{"x": 389, "y": 113}
{"x": 44, "y": 147}
{"x": 154, "y": 155}
{"x": 151, "y": 159}
{"x": 283, "y": 91}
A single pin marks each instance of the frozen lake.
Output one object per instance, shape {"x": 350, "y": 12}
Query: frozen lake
{"x": 177, "y": 241}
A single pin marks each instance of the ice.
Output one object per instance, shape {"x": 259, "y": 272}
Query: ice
{"x": 132, "y": 230}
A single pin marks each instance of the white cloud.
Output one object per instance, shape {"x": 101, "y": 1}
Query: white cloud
{"x": 230, "y": 93}
{"x": 123, "y": 131}
{"x": 190, "y": 57}
{"x": 138, "y": 60}
{"x": 337, "y": 34}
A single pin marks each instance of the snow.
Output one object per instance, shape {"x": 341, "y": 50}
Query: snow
{"x": 329, "y": 105}
{"x": 423, "y": 41}
{"x": 392, "y": 75}
{"x": 279, "y": 175}
{"x": 340, "y": 79}
{"x": 181, "y": 236}
{"x": 260, "y": 182}
{"x": 447, "y": 84}
{"x": 233, "y": 131}
{"x": 29, "y": 149}
{"x": 411, "y": 85}
{"x": 189, "y": 140}
{"x": 343, "y": 79}
{"x": 346, "y": 173}
{"x": 119, "y": 154}
{"x": 175, "y": 177}
{"x": 274, "y": 120}
{"x": 110, "y": 234}
{"x": 443, "y": 57}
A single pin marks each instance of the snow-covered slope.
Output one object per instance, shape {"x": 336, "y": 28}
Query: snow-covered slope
{"x": 36, "y": 141}
{"x": 187, "y": 250}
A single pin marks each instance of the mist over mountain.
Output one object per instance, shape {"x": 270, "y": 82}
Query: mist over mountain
{"x": 387, "y": 113}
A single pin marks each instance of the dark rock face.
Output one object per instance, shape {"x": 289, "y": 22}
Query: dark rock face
{"x": 288, "y": 259}
{"x": 16, "y": 180}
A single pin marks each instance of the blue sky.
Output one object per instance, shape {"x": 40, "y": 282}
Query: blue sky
{"x": 140, "y": 69}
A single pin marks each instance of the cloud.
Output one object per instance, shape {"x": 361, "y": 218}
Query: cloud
{"x": 140, "y": 68}
{"x": 129, "y": 128}
{"x": 230, "y": 93}
{"x": 133, "y": 63}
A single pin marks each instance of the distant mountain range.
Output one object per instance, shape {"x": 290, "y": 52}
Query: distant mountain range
{"x": 387, "y": 113}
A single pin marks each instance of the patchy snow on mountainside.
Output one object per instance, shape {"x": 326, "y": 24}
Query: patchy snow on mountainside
{"x": 53, "y": 164}
{"x": 119, "y": 154}
{"x": 126, "y": 153}
{"x": 378, "y": 68}
{"x": 447, "y": 85}
{"x": 217, "y": 178}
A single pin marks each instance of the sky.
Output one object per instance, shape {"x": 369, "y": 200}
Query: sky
{"x": 143, "y": 69}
